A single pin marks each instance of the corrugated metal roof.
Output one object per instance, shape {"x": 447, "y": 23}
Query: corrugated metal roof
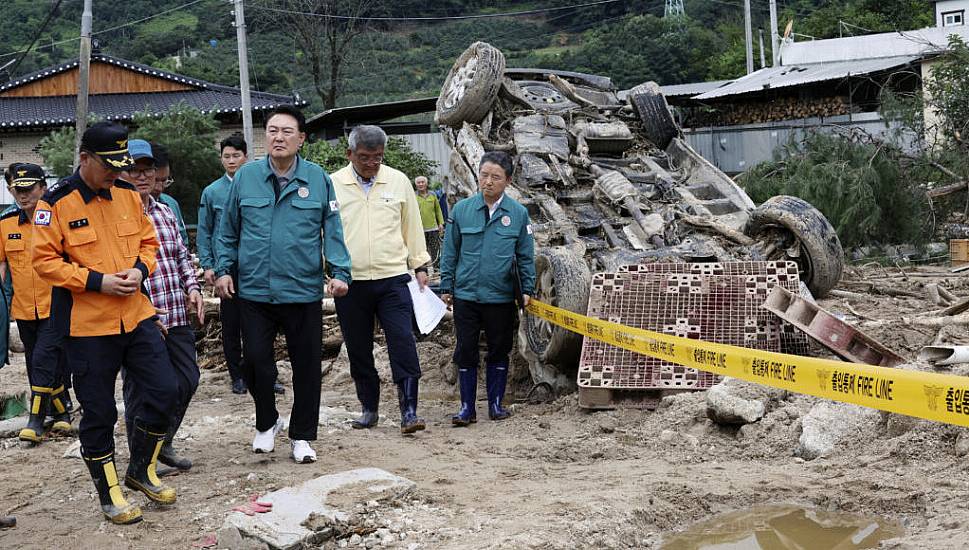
{"x": 27, "y": 112}
{"x": 920, "y": 42}
{"x": 693, "y": 88}
{"x": 793, "y": 75}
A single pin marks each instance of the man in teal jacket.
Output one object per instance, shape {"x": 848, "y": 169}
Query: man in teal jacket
{"x": 232, "y": 153}
{"x": 488, "y": 256}
{"x": 270, "y": 235}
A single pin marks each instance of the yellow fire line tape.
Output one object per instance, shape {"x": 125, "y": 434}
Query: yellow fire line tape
{"x": 932, "y": 396}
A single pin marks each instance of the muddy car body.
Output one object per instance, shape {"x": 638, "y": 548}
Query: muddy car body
{"x": 609, "y": 180}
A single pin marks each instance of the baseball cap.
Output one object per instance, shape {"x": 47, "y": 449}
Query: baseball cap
{"x": 24, "y": 174}
{"x": 140, "y": 149}
{"x": 109, "y": 141}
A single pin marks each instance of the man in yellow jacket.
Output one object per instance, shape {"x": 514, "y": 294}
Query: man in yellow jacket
{"x": 384, "y": 233}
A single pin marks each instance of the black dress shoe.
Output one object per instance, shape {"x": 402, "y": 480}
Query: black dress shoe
{"x": 279, "y": 388}
{"x": 239, "y": 386}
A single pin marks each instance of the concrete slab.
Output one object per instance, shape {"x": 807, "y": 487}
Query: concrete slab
{"x": 331, "y": 496}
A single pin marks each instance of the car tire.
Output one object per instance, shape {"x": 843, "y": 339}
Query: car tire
{"x": 562, "y": 279}
{"x": 654, "y": 114}
{"x": 471, "y": 86}
{"x": 820, "y": 257}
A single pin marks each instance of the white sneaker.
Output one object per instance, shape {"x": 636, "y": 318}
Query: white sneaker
{"x": 265, "y": 442}
{"x": 302, "y": 452}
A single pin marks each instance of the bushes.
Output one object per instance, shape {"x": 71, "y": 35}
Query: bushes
{"x": 869, "y": 193}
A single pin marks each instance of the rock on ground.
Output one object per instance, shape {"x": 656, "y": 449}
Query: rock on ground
{"x": 828, "y": 423}
{"x": 735, "y": 402}
{"x": 297, "y": 509}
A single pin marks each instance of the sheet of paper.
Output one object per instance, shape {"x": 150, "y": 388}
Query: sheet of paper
{"x": 428, "y": 308}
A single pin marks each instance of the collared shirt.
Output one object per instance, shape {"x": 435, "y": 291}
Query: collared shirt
{"x": 31, "y": 298}
{"x": 383, "y": 228}
{"x": 366, "y": 184}
{"x": 431, "y": 214}
{"x": 175, "y": 277}
{"x": 494, "y": 207}
{"x": 79, "y": 235}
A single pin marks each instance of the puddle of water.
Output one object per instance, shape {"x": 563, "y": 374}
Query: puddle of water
{"x": 784, "y": 528}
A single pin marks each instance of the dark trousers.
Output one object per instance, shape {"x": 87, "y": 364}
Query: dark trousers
{"x": 231, "y": 336}
{"x": 498, "y": 323}
{"x": 95, "y": 361}
{"x": 388, "y": 300}
{"x": 302, "y": 325}
{"x": 44, "y": 354}
{"x": 433, "y": 241}
{"x": 180, "y": 344}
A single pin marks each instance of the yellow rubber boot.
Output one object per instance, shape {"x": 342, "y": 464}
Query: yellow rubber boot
{"x": 113, "y": 504}
{"x": 145, "y": 444}
{"x": 39, "y": 402}
{"x": 62, "y": 417}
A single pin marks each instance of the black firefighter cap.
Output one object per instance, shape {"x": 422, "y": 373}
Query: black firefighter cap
{"x": 109, "y": 141}
{"x": 24, "y": 174}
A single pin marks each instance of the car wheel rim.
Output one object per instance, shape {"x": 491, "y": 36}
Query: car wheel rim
{"x": 460, "y": 81}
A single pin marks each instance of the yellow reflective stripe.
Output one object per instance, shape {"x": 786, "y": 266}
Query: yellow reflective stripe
{"x": 110, "y": 474}
{"x": 95, "y": 459}
{"x": 35, "y": 405}
{"x": 42, "y": 389}
{"x": 932, "y": 396}
{"x": 116, "y": 152}
{"x": 152, "y": 478}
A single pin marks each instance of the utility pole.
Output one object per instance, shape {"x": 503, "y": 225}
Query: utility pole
{"x": 763, "y": 60}
{"x": 84, "y": 73}
{"x": 775, "y": 43}
{"x": 749, "y": 36}
{"x": 244, "y": 73}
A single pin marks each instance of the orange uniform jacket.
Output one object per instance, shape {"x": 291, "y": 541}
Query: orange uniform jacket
{"x": 31, "y": 294}
{"x": 80, "y": 235}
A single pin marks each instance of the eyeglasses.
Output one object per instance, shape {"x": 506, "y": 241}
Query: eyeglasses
{"x": 368, "y": 159}
{"x": 141, "y": 172}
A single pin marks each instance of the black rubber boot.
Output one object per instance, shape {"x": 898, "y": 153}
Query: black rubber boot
{"x": 113, "y": 503}
{"x": 59, "y": 410}
{"x": 495, "y": 379}
{"x": 39, "y": 403}
{"x": 146, "y": 444}
{"x": 167, "y": 455}
{"x": 468, "y": 382}
{"x": 8, "y": 522}
{"x": 368, "y": 419}
{"x": 407, "y": 398}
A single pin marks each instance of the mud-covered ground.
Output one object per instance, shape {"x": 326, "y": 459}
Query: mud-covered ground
{"x": 553, "y": 476}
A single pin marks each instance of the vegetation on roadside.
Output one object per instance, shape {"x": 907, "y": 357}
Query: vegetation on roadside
{"x": 875, "y": 190}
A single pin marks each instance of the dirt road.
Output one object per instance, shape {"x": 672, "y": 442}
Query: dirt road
{"x": 553, "y": 476}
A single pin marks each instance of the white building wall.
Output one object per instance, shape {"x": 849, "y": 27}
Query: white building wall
{"x": 943, "y": 7}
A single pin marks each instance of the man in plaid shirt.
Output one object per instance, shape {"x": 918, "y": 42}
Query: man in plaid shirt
{"x": 174, "y": 291}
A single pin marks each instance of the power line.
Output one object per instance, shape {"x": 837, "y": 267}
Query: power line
{"x": 43, "y": 26}
{"x": 117, "y": 27}
{"x": 439, "y": 18}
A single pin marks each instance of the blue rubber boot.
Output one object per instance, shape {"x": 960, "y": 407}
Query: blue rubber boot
{"x": 496, "y": 378}
{"x": 407, "y": 397}
{"x": 468, "y": 382}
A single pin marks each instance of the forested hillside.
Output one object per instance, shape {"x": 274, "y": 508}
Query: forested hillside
{"x": 393, "y": 59}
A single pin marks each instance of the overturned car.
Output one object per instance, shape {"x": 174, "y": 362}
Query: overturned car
{"x": 609, "y": 181}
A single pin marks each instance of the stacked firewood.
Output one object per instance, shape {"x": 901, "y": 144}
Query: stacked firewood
{"x": 784, "y": 108}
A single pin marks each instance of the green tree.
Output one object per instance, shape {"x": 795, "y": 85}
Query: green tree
{"x": 869, "y": 192}
{"x": 57, "y": 150}
{"x": 398, "y": 154}
{"x": 190, "y": 137}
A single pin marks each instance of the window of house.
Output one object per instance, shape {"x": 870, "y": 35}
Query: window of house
{"x": 952, "y": 18}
